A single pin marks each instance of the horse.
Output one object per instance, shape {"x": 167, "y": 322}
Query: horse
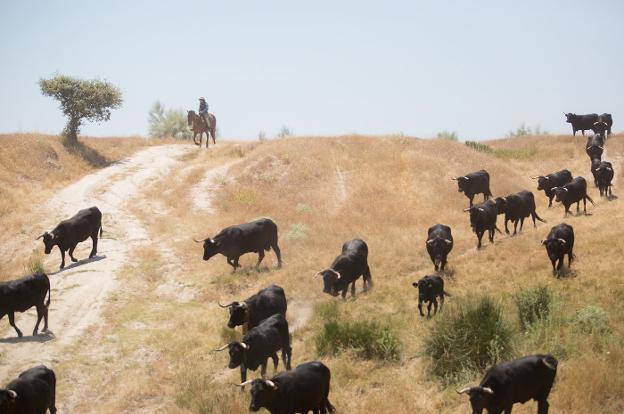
{"x": 199, "y": 127}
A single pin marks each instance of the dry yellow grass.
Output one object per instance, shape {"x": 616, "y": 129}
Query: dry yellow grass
{"x": 153, "y": 354}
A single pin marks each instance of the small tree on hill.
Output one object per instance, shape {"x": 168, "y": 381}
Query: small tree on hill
{"x": 167, "y": 122}
{"x": 80, "y": 99}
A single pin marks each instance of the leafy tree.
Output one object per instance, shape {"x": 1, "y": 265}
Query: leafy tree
{"x": 284, "y": 132}
{"x": 81, "y": 99}
{"x": 448, "y": 136}
{"x": 167, "y": 123}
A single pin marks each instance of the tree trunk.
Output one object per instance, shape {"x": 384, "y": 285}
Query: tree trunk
{"x": 71, "y": 131}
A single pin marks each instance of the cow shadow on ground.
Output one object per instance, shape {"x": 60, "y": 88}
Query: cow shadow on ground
{"x": 252, "y": 270}
{"x": 612, "y": 197}
{"x": 41, "y": 338}
{"x": 566, "y": 273}
{"x": 80, "y": 263}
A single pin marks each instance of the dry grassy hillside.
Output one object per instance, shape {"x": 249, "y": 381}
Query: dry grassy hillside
{"x": 153, "y": 353}
{"x": 33, "y": 167}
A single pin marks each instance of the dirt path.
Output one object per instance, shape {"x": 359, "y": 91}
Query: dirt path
{"x": 202, "y": 192}
{"x": 80, "y": 290}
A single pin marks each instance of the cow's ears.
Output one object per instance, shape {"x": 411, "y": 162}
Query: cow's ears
{"x": 415, "y": 284}
{"x": 12, "y": 394}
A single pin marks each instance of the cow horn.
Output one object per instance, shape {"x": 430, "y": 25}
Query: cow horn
{"x": 549, "y": 365}
{"x": 429, "y": 241}
{"x": 488, "y": 390}
{"x": 226, "y": 306}
{"x": 336, "y": 273}
{"x": 600, "y": 147}
{"x": 271, "y": 384}
{"x": 197, "y": 241}
{"x": 221, "y": 349}
{"x": 12, "y": 394}
{"x": 553, "y": 188}
{"x": 454, "y": 179}
{"x": 244, "y": 346}
{"x": 480, "y": 209}
{"x": 596, "y": 123}
{"x": 565, "y": 189}
{"x": 542, "y": 242}
{"x": 465, "y": 178}
{"x": 448, "y": 241}
{"x": 609, "y": 169}
{"x": 463, "y": 390}
{"x": 244, "y": 383}
{"x": 536, "y": 177}
{"x": 43, "y": 234}
{"x": 467, "y": 209}
{"x": 561, "y": 240}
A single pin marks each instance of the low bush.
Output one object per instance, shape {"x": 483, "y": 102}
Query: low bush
{"x": 477, "y": 146}
{"x": 367, "y": 339}
{"x": 592, "y": 320}
{"x": 471, "y": 337}
{"x": 533, "y": 305}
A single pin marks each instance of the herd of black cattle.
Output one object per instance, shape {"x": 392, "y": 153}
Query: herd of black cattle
{"x": 263, "y": 315}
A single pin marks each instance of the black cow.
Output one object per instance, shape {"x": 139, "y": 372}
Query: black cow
{"x": 304, "y": 389}
{"x": 68, "y": 233}
{"x": 595, "y": 146}
{"x": 256, "y": 308}
{"x": 33, "y": 392}
{"x": 595, "y": 164}
{"x": 601, "y": 128}
{"x": 260, "y": 343}
{"x": 514, "y": 382}
{"x": 604, "y": 176}
{"x": 474, "y": 183}
{"x": 429, "y": 289}
{"x": 581, "y": 122}
{"x": 558, "y": 243}
{"x": 573, "y": 192}
{"x": 547, "y": 182}
{"x": 439, "y": 245}
{"x": 607, "y": 119}
{"x": 482, "y": 218}
{"x": 22, "y": 294}
{"x": 516, "y": 208}
{"x": 350, "y": 264}
{"x": 234, "y": 241}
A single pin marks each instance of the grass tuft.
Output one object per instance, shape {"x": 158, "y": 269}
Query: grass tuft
{"x": 471, "y": 337}
{"x": 533, "y": 305}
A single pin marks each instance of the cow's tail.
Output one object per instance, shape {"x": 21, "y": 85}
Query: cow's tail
{"x": 446, "y": 293}
{"x": 538, "y": 217}
{"x": 49, "y": 294}
{"x": 590, "y": 199}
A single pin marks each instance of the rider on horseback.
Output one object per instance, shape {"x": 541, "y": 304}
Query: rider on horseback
{"x": 203, "y": 110}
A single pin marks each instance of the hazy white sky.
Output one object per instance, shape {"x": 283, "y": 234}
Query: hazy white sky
{"x": 479, "y": 68}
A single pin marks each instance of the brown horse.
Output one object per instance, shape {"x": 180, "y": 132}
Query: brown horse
{"x": 198, "y": 126}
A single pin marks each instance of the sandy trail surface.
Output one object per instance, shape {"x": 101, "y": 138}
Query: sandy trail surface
{"x": 79, "y": 291}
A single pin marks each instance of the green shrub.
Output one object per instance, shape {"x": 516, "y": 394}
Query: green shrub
{"x": 447, "y": 136}
{"x": 524, "y": 130}
{"x": 34, "y": 265}
{"x": 471, "y": 337}
{"x": 477, "y": 146}
{"x": 167, "y": 123}
{"x": 297, "y": 231}
{"x": 592, "y": 320}
{"x": 533, "y": 305}
{"x": 369, "y": 340}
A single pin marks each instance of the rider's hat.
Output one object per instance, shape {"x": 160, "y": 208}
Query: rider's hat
{"x": 201, "y": 98}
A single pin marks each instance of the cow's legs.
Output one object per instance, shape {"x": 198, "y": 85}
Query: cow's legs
{"x": 508, "y": 409}
{"x": 491, "y": 235}
{"x": 278, "y": 253}
{"x": 578, "y": 207}
{"x": 553, "y": 262}
{"x": 71, "y": 254}
{"x": 429, "y": 309}
{"x": 243, "y": 371}
{"x": 435, "y": 306}
{"x": 420, "y": 307}
{"x": 287, "y": 356}
{"x": 62, "y": 258}
{"x": 585, "y": 205}
{"x": 522, "y": 223}
{"x": 12, "y": 322}
{"x": 353, "y": 289}
{"x": 232, "y": 263}
{"x": 471, "y": 198}
{"x": 263, "y": 369}
{"x": 479, "y": 236}
{"x": 40, "y": 312}
{"x": 260, "y": 257}
{"x": 506, "y": 229}
{"x": 550, "y": 202}
{"x": 94, "y": 237}
{"x": 276, "y": 361}
{"x": 542, "y": 407}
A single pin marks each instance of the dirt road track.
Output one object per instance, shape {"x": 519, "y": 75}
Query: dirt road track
{"x": 80, "y": 290}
